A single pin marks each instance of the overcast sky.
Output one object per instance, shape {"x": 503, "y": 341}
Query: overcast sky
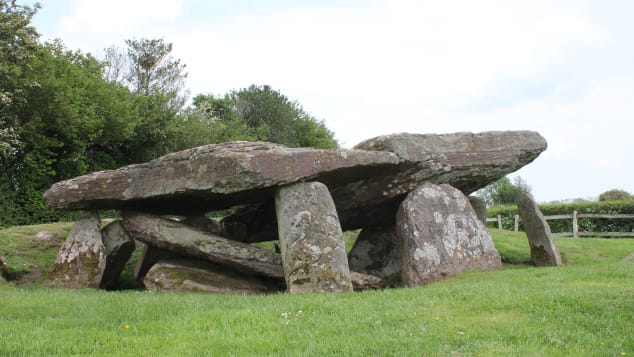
{"x": 368, "y": 68}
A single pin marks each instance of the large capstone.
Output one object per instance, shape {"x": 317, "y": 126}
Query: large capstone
{"x": 543, "y": 249}
{"x": 203, "y": 276}
{"x": 442, "y": 236}
{"x": 311, "y": 240}
{"x": 81, "y": 261}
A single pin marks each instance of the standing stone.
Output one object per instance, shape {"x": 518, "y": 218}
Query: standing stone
{"x": 543, "y": 249}
{"x": 118, "y": 249}
{"x": 377, "y": 251}
{"x": 202, "y": 276}
{"x": 441, "y": 236}
{"x": 311, "y": 240}
{"x": 81, "y": 260}
{"x": 480, "y": 208}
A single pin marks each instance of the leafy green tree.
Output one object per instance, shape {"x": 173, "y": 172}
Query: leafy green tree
{"x": 503, "y": 191}
{"x": 273, "y": 117}
{"x": 18, "y": 45}
{"x": 615, "y": 195}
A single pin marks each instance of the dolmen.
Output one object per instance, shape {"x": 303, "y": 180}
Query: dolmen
{"x": 407, "y": 193}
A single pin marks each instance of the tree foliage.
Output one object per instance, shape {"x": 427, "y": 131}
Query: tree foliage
{"x": 503, "y": 191}
{"x": 615, "y": 195}
{"x": 268, "y": 115}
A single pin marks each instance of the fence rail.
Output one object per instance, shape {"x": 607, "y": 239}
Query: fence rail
{"x": 574, "y": 216}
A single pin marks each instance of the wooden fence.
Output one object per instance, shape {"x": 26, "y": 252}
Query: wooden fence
{"x": 574, "y": 216}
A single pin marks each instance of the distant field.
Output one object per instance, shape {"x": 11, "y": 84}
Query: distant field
{"x": 584, "y": 308}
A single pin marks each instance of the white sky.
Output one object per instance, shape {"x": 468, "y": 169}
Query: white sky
{"x": 368, "y": 68}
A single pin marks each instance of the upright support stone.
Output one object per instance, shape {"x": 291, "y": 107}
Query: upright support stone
{"x": 441, "y": 236}
{"x": 480, "y": 208}
{"x": 118, "y": 249}
{"x": 311, "y": 240}
{"x": 81, "y": 260}
{"x": 540, "y": 239}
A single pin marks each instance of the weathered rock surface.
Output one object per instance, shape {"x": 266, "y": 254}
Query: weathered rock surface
{"x": 179, "y": 238}
{"x": 205, "y": 224}
{"x": 311, "y": 240}
{"x": 149, "y": 257}
{"x": 377, "y": 251}
{"x": 361, "y": 281}
{"x": 367, "y": 184}
{"x": 81, "y": 261}
{"x": 543, "y": 249}
{"x": 466, "y": 161}
{"x": 480, "y": 208}
{"x": 202, "y": 276}
{"x": 118, "y": 248}
{"x": 442, "y": 236}
{"x": 214, "y": 176}
{"x": 252, "y": 223}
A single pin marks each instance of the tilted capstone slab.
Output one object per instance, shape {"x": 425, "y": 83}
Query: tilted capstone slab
{"x": 311, "y": 240}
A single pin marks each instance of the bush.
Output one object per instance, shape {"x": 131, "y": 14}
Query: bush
{"x": 565, "y": 225}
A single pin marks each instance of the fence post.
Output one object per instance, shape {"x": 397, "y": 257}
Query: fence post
{"x": 516, "y": 226}
{"x": 575, "y": 225}
{"x": 499, "y": 221}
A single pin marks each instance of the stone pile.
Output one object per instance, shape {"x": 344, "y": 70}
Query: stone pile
{"x": 407, "y": 192}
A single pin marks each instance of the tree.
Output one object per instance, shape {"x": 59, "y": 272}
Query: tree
{"x": 18, "y": 45}
{"x": 148, "y": 68}
{"x": 615, "y": 195}
{"x": 503, "y": 191}
{"x": 273, "y": 117}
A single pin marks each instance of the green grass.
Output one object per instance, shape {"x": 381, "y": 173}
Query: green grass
{"x": 584, "y": 308}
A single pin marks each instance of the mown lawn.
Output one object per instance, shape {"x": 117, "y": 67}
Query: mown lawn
{"x": 585, "y": 308}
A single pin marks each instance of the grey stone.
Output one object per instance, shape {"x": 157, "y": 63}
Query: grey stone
{"x": 150, "y": 256}
{"x": 218, "y": 176}
{"x": 367, "y": 184}
{"x": 377, "y": 251}
{"x": 361, "y": 281}
{"x": 543, "y": 249}
{"x": 205, "y": 224}
{"x": 252, "y": 223}
{"x": 442, "y": 236}
{"x": 311, "y": 240}
{"x": 118, "y": 248}
{"x": 184, "y": 240}
{"x": 203, "y": 276}
{"x": 480, "y": 208}
{"x": 81, "y": 260}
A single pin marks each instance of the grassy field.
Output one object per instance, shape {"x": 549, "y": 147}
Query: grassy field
{"x": 584, "y": 308}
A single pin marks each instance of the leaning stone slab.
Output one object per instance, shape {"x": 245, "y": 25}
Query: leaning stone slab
{"x": 203, "y": 276}
{"x": 377, "y": 251}
{"x": 118, "y": 249}
{"x": 311, "y": 240}
{"x": 543, "y": 249}
{"x": 174, "y": 236}
{"x": 81, "y": 261}
{"x": 442, "y": 236}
